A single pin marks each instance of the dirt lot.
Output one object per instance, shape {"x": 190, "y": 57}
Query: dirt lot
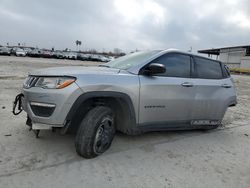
{"x": 218, "y": 158}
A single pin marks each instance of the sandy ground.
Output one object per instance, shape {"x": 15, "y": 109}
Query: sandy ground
{"x": 217, "y": 158}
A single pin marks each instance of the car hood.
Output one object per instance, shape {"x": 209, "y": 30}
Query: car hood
{"x": 73, "y": 71}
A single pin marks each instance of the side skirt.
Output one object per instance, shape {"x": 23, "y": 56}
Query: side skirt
{"x": 176, "y": 125}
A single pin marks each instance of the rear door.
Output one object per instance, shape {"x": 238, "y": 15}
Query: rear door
{"x": 212, "y": 90}
{"x": 167, "y": 97}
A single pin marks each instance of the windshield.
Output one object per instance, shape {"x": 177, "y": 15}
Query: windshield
{"x": 131, "y": 60}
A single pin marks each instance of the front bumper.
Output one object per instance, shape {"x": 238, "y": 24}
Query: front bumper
{"x": 49, "y": 106}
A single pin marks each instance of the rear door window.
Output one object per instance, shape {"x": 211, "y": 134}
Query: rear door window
{"x": 208, "y": 69}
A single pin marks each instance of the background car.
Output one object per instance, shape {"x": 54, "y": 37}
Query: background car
{"x": 100, "y": 58}
{"x": 13, "y": 50}
{"x": 111, "y": 58}
{"x": 35, "y": 53}
{"x": 70, "y": 55}
{"x": 4, "y": 51}
{"x": 27, "y": 50}
{"x": 20, "y": 52}
{"x": 46, "y": 54}
{"x": 94, "y": 57}
{"x": 104, "y": 58}
{"x": 83, "y": 57}
{"x": 58, "y": 54}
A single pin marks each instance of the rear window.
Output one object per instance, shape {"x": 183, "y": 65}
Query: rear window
{"x": 208, "y": 69}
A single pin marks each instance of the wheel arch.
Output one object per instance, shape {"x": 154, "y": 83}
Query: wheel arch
{"x": 121, "y": 103}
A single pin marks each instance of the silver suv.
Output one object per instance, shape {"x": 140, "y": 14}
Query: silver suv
{"x": 144, "y": 91}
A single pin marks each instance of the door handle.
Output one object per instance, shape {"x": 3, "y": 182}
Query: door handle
{"x": 226, "y": 86}
{"x": 187, "y": 84}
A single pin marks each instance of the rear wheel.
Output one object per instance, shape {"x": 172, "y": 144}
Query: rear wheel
{"x": 95, "y": 133}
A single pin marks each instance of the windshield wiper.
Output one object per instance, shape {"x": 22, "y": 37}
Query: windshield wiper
{"x": 104, "y": 66}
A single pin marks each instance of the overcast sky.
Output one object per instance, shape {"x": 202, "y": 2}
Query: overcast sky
{"x": 125, "y": 24}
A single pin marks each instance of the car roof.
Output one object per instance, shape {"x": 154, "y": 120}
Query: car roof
{"x": 137, "y": 68}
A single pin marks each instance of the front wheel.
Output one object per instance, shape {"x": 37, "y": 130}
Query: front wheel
{"x": 95, "y": 133}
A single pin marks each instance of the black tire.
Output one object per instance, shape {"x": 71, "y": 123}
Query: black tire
{"x": 95, "y": 133}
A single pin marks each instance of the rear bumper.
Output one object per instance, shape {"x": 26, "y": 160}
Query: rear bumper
{"x": 49, "y": 106}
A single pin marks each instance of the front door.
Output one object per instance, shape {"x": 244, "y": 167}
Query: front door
{"x": 167, "y": 98}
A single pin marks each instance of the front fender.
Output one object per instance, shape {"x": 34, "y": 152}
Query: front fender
{"x": 129, "y": 127}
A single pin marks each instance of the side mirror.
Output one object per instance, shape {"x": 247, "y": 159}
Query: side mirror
{"x": 154, "y": 68}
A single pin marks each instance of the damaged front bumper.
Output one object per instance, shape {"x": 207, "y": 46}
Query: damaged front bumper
{"x": 48, "y": 108}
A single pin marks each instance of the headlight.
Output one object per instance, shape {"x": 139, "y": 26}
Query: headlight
{"x": 48, "y": 82}
{"x": 54, "y": 82}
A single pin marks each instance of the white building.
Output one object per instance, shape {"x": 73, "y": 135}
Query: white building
{"x": 233, "y": 57}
